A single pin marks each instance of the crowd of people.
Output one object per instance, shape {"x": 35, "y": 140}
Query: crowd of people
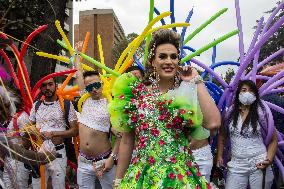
{"x": 163, "y": 121}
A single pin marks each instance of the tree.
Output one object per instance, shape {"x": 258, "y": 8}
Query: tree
{"x": 275, "y": 42}
{"x": 20, "y": 18}
{"x": 119, "y": 47}
{"x": 229, "y": 75}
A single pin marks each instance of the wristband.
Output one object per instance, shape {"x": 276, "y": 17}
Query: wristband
{"x": 116, "y": 182}
{"x": 197, "y": 79}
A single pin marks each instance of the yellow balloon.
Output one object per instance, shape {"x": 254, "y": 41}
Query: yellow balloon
{"x": 82, "y": 100}
{"x": 87, "y": 68}
{"x": 139, "y": 40}
{"x": 101, "y": 52}
{"x": 60, "y": 58}
{"x": 168, "y": 26}
{"x": 71, "y": 50}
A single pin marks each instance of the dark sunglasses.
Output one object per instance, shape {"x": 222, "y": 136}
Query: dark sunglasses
{"x": 95, "y": 85}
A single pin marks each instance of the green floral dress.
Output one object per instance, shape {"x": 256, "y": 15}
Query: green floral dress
{"x": 161, "y": 123}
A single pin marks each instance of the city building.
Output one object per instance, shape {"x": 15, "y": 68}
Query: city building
{"x": 103, "y": 22}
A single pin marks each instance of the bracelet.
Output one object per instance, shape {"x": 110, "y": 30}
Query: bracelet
{"x": 116, "y": 182}
{"x": 114, "y": 156}
{"x": 197, "y": 79}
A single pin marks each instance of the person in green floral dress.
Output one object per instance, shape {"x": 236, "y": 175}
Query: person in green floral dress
{"x": 159, "y": 113}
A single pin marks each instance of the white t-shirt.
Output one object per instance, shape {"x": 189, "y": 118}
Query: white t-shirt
{"x": 50, "y": 117}
{"x": 22, "y": 121}
{"x": 95, "y": 115}
{"x": 248, "y": 144}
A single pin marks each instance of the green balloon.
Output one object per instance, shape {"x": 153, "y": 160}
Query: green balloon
{"x": 212, "y": 44}
{"x": 214, "y": 17}
{"x": 148, "y": 39}
{"x": 97, "y": 63}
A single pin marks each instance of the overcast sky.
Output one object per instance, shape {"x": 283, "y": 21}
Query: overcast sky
{"x": 133, "y": 16}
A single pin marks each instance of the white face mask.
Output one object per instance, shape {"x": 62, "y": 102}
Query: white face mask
{"x": 247, "y": 98}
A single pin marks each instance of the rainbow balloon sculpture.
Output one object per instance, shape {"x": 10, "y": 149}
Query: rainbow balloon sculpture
{"x": 221, "y": 92}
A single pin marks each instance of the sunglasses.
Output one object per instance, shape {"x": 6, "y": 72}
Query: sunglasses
{"x": 96, "y": 85}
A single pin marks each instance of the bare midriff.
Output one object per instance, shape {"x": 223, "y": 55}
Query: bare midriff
{"x": 196, "y": 144}
{"x": 92, "y": 142}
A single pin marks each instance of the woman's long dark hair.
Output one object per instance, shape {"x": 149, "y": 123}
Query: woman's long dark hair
{"x": 252, "y": 116}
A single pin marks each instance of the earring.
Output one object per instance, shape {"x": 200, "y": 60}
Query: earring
{"x": 176, "y": 80}
{"x": 154, "y": 78}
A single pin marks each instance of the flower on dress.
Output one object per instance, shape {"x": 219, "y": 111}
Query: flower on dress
{"x": 155, "y": 132}
{"x": 190, "y": 122}
{"x": 173, "y": 160}
{"x": 133, "y": 118}
{"x": 182, "y": 111}
{"x": 189, "y": 164}
{"x": 138, "y": 175}
{"x": 135, "y": 160}
{"x": 180, "y": 177}
{"x": 198, "y": 174}
{"x": 151, "y": 160}
{"x": 142, "y": 116}
{"x": 188, "y": 173}
{"x": 171, "y": 175}
{"x": 169, "y": 126}
{"x": 177, "y": 120}
{"x": 121, "y": 97}
{"x": 176, "y": 136}
{"x": 161, "y": 142}
{"x": 144, "y": 126}
{"x": 161, "y": 117}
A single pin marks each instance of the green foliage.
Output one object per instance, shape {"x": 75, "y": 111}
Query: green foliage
{"x": 119, "y": 47}
{"x": 275, "y": 42}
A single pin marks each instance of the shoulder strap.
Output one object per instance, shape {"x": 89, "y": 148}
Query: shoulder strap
{"x": 67, "y": 104}
{"x": 37, "y": 105}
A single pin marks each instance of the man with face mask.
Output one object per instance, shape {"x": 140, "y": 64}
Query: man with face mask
{"x": 52, "y": 124}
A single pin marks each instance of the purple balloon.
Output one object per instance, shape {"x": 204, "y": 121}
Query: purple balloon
{"x": 270, "y": 126}
{"x": 275, "y": 107}
{"x": 262, "y": 77}
{"x": 215, "y": 75}
{"x": 272, "y": 80}
{"x": 223, "y": 98}
{"x": 241, "y": 37}
{"x": 256, "y": 34}
{"x": 274, "y": 85}
{"x": 261, "y": 42}
{"x": 274, "y": 91}
{"x": 272, "y": 16}
{"x": 267, "y": 60}
{"x": 280, "y": 166}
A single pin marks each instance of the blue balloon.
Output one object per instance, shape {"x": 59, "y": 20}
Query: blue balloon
{"x": 158, "y": 13}
{"x": 172, "y": 9}
{"x": 141, "y": 67}
{"x": 220, "y": 64}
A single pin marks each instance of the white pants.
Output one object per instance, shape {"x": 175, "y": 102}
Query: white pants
{"x": 204, "y": 159}
{"x": 86, "y": 176}
{"x": 243, "y": 172}
{"x": 56, "y": 170}
{"x": 15, "y": 175}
